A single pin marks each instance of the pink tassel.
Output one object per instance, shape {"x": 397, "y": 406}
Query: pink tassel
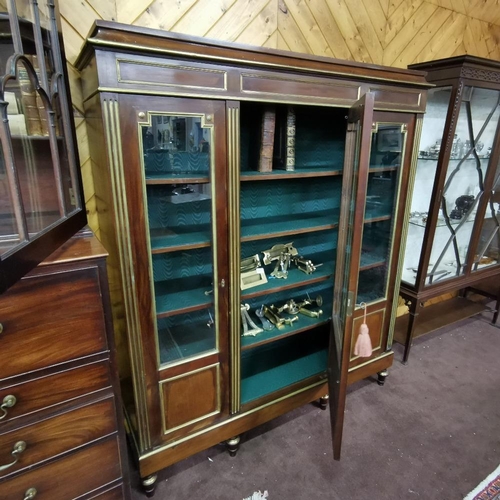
{"x": 363, "y": 347}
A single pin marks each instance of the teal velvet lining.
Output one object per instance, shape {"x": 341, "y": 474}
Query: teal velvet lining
{"x": 270, "y": 367}
{"x": 161, "y": 161}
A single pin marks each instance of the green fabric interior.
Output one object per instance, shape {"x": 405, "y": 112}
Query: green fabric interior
{"x": 270, "y": 367}
{"x": 163, "y": 162}
{"x": 381, "y": 194}
{"x": 319, "y": 139}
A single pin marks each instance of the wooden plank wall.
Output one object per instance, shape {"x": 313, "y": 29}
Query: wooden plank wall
{"x": 389, "y": 32}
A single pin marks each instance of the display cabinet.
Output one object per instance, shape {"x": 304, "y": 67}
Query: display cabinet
{"x": 252, "y": 202}
{"x": 41, "y": 196}
{"x": 453, "y": 233}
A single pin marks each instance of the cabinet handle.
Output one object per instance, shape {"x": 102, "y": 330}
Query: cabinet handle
{"x": 1, "y": 328}
{"x": 19, "y": 447}
{"x": 30, "y": 493}
{"x": 8, "y": 402}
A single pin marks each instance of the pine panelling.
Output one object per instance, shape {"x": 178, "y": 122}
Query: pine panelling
{"x": 329, "y": 28}
{"x": 202, "y": 16}
{"x": 422, "y": 38}
{"x": 399, "y": 17}
{"x": 81, "y": 15}
{"x": 349, "y": 30}
{"x": 163, "y": 14}
{"x": 233, "y": 22}
{"x": 290, "y": 32}
{"x": 484, "y": 10}
{"x": 368, "y": 26}
{"x": 460, "y": 6}
{"x": 405, "y": 35}
{"x": 105, "y": 9}
{"x": 73, "y": 42}
{"x": 282, "y": 45}
{"x": 377, "y": 17}
{"x": 263, "y": 29}
{"x": 493, "y": 42}
{"x": 127, "y": 11}
{"x": 306, "y": 23}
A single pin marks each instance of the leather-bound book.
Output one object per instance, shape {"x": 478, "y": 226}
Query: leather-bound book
{"x": 267, "y": 139}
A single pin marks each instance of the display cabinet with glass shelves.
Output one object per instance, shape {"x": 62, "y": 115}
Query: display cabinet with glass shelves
{"x": 244, "y": 272}
{"x": 453, "y": 232}
{"x": 41, "y": 202}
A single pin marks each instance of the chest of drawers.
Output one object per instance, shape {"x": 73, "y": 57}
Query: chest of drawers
{"x": 61, "y": 432}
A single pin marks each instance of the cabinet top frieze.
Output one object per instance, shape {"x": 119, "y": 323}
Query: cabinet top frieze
{"x": 116, "y": 37}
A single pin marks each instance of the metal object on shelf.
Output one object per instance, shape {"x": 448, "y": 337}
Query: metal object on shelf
{"x": 266, "y": 324}
{"x": 249, "y": 326}
{"x": 277, "y": 251}
{"x": 252, "y": 274}
{"x": 305, "y": 265}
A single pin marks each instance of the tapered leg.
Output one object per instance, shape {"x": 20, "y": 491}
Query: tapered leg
{"x": 323, "y": 402}
{"x": 233, "y": 445}
{"x": 149, "y": 485}
{"x": 382, "y": 376}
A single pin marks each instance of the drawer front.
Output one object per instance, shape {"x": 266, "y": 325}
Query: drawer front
{"x": 69, "y": 477}
{"x": 51, "y": 319}
{"x": 53, "y": 436}
{"x": 52, "y": 390}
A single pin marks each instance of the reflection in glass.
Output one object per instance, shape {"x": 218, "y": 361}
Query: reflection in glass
{"x": 387, "y": 150}
{"x": 469, "y": 157}
{"x": 438, "y": 100}
{"x": 488, "y": 253}
{"x": 39, "y": 171}
{"x": 176, "y": 153}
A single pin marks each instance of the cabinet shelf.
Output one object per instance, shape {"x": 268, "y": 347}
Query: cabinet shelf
{"x": 302, "y": 325}
{"x": 283, "y": 174}
{"x": 274, "y": 366}
{"x": 261, "y": 229}
{"x": 184, "y": 178}
{"x": 183, "y": 238}
{"x": 296, "y": 278}
{"x": 182, "y": 297}
{"x": 391, "y": 168}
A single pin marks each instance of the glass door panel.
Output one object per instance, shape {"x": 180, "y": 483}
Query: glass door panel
{"x": 177, "y": 157}
{"x": 469, "y": 157}
{"x": 387, "y": 152}
{"x": 438, "y": 100}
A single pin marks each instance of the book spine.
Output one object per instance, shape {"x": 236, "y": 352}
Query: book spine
{"x": 28, "y": 102}
{"x": 267, "y": 139}
{"x": 290, "y": 139}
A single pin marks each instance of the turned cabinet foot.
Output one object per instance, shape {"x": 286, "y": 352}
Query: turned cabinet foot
{"x": 382, "y": 376}
{"x": 149, "y": 485}
{"x": 323, "y": 402}
{"x": 233, "y": 445}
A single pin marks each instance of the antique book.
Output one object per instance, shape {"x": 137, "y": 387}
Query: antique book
{"x": 267, "y": 139}
{"x": 290, "y": 139}
{"x": 28, "y": 102}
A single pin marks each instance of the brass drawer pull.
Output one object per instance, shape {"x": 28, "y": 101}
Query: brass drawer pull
{"x": 8, "y": 402}
{"x": 19, "y": 447}
{"x": 30, "y": 493}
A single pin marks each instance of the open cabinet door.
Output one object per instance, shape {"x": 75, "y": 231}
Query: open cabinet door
{"x": 356, "y": 166}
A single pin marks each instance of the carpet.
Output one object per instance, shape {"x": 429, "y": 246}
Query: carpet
{"x": 489, "y": 489}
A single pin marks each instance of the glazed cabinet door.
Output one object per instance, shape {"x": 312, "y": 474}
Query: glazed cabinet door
{"x": 357, "y": 147}
{"x": 376, "y": 267}
{"x": 176, "y": 187}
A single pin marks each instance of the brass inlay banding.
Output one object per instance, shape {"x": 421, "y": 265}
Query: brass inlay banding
{"x": 198, "y": 419}
{"x": 170, "y": 67}
{"x": 248, "y": 61}
{"x": 123, "y": 237}
{"x": 233, "y": 144}
{"x": 235, "y": 418}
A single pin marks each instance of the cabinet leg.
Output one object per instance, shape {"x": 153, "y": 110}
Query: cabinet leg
{"x": 149, "y": 484}
{"x": 382, "y": 376}
{"x": 323, "y": 402}
{"x": 233, "y": 445}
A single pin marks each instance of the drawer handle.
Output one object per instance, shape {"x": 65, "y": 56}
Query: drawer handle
{"x": 30, "y": 493}
{"x": 19, "y": 447}
{"x": 8, "y": 402}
